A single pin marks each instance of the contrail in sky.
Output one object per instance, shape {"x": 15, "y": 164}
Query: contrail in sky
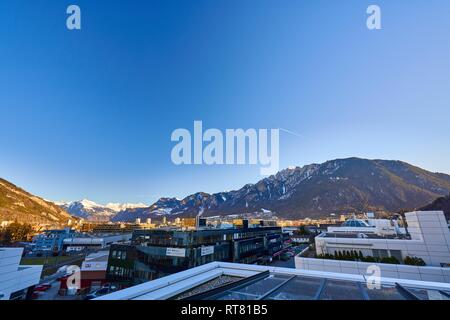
{"x": 292, "y": 132}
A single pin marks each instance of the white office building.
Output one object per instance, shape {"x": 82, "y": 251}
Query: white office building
{"x": 429, "y": 240}
{"x": 94, "y": 242}
{"x": 14, "y": 278}
{"x": 371, "y": 226}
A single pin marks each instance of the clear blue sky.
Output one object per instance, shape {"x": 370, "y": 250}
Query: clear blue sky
{"x": 89, "y": 114}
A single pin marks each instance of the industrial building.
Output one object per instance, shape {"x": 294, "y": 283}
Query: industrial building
{"x": 94, "y": 241}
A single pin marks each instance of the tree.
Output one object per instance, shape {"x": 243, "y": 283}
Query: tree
{"x": 347, "y": 255}
{"x": 360, "y": 256}
{"x": 369, "y": 259}
{"x": 390, "y": 260}
{"x": 15, "y": 232}
{"x": 5, "y": 237}
{"x": 414, "y": 261}
{"x": 302, "y": 231}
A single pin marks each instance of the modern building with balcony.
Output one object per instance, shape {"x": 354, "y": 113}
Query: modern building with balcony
{"x": 428, "y": 239}
{"x": 154, "y": 254}
{"x": 422, "y": 254}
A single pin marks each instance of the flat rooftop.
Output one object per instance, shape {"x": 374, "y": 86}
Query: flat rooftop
{"x": 218, "y": 282}
{"x": 348, "y": 235}
{"x": 252, "y": 282}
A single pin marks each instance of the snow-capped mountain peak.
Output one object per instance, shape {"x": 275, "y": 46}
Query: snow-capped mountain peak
{"x": 91, "y": 210}
{"x": 88, "y": 204}
{"x": 124, "y": 206}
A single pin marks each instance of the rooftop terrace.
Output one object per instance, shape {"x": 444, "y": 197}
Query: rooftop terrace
{"x": 272, "y": 283}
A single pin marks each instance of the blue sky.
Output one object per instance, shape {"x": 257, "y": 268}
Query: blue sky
{"x": 89, "y": 114}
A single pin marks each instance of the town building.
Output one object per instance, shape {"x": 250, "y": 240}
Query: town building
{"x": 156, "y": 253}
{"x": 16, "y": 281}
{"x": 52, "y": 240}
{"x": 188, "y": 222}
{"x": 94, "y": 241}
{"x": 92, "y": 273}
{"x": 109, "y": 228}
{"x": 369, "y": 226}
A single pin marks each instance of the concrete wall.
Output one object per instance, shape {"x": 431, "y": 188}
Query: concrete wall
{"x": 433, "y": 274}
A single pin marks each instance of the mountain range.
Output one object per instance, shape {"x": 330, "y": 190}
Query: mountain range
{"x": 440, "y": 204}
{"x": 315, "y": 190}
{"x": 18, "y": 205}
{"x": 92, "y": 211}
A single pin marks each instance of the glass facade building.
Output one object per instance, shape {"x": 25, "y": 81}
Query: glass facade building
{"x": 154, "y": 254}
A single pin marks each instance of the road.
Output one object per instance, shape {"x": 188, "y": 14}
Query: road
{"x": 283, "y": 264}
{"x": 52, "y": 277}
{"x": 50, "y": 294}
{"x": 277, "y": 262}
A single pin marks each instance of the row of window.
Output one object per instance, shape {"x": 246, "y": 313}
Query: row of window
{"x": 119, "y": 271}
{"x": 181, "y": 239}
{"x": 121, "y": 255}
{"x": 250, "y": 246}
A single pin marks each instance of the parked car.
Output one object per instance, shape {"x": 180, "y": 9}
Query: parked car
{"x": 101, "y": 292}
{"x": 63, "y": 269}
{"x": 42, "y": 287}
{"x": 290, "y": 253}
{"x": 285, "y": 257}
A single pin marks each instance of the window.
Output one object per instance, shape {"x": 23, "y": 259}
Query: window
{"x": 341, "y": 290}
{"x": 384, "y": 293}
{"x": 121, "y": 255}
{"x": 300, "y": 288}
{"x": 380, "y": 253}
{"x": 396, "y": 254}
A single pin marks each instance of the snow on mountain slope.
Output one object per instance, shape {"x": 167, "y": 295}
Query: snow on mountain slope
{"x": 90, "y": 210}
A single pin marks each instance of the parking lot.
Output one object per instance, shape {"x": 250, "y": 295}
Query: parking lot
{"x": 284, "y": 264}
{"x": 278, "y": 262}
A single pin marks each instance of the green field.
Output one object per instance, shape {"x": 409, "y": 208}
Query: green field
{"x": 51, "y": 264}
{"x": 47, "y": 261}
